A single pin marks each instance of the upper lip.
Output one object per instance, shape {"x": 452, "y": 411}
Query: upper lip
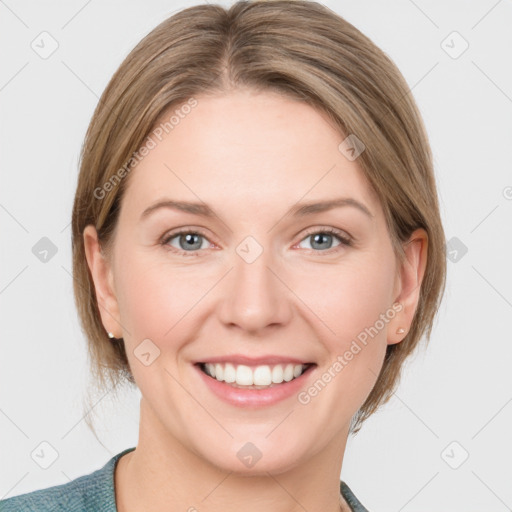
{"x": 253, "y": 361}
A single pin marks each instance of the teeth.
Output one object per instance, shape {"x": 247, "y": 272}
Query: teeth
{"x": 277, "y": 374}
{"x": 244, "y": 376}
{"x": 229, "y": 373}
{"x": 263, "y": 375}
{"x": 219, "y": 372}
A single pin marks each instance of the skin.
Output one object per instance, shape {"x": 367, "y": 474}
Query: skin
{"x": 250, "y": 156}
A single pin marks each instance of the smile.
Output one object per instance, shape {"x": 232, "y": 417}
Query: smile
{"x": 253, "y": 377}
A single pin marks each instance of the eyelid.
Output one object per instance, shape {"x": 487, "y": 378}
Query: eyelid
{"x": 339, "y": 233}
{"x": 180, "y": 231}
{"x": 164, "y": 240}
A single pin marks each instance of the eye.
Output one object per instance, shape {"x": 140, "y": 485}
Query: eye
{"x": 187, "y": 241}
{"x": 322, "y": 239}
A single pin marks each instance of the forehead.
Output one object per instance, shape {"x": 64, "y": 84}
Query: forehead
{"x": 246, "y": 148}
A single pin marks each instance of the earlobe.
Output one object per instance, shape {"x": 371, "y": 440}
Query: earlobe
{"x": 410, "y": 278}
{"x": 102, "y": 276}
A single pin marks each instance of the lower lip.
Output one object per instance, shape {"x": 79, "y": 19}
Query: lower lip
{"x": 254, "y": 397}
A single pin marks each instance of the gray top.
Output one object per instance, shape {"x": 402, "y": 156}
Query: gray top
{"x": 95, "y": 492}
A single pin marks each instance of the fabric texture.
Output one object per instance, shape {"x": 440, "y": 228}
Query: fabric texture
{"x": 95, "y": 492}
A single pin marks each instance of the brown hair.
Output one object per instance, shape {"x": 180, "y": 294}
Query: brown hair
{"x": 297, "y": 48}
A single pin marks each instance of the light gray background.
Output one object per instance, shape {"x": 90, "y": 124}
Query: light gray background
{"x": 459, "y": 389}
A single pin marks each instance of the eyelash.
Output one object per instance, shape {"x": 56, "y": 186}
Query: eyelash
{"x": 345, "y": 240}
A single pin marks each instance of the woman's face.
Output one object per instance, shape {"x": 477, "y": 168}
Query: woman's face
{"x": 260, "y": 280}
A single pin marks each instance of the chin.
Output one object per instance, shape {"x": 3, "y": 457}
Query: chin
{"x": 254, "y": 457}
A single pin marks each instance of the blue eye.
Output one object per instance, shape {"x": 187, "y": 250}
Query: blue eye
{"x": 320, "y": 236}
{"x": 187, "y": 240}
{"x": 190, "y": 242}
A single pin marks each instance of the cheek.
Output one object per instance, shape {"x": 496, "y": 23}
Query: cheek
{"x": 349, "y": 298}
{"x": 351, "y": 302}
{"x": 156, "y": 302}
{"x": 360, "y": 313}
{"x": 353, "y": 357}
{"x": 154, "y": 296}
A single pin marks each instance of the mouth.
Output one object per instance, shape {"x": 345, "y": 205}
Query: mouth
{"x": 263, "y": 376}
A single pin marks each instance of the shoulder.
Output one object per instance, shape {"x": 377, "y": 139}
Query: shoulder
{"x": 350, "y": 498}
{"x": 94, "y": 491}
{"x": 70, "y": 496}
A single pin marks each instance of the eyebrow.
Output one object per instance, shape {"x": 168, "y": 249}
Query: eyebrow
{"x": 299, "y": 210}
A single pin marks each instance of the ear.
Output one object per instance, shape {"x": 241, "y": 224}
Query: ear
{"x": 103, "y": 278}
{"x": 408, "y": 284}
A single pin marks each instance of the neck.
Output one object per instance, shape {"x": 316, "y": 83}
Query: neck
{"x": 152, "y": 477}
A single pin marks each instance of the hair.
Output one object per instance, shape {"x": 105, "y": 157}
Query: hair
{"x": 297, "y": 48}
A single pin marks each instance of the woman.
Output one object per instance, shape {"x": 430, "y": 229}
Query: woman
{"x": 230, "y": 146}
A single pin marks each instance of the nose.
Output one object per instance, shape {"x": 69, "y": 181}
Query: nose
{"x": 255, "y": 297}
